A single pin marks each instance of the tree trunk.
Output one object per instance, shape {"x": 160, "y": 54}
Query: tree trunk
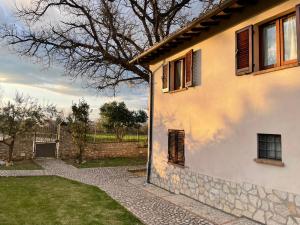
{"x": 80, "y": 155}
{"x": 10, "y": 151}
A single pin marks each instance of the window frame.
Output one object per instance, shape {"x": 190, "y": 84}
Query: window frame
{"x": 182, "y": 75}
{"x": 286, "y": 62}
{"x": 167, "y": 77}
{"x": 279, "y": 43}
{"x": 259, "y": 157}
{"x": 176, "y": 161}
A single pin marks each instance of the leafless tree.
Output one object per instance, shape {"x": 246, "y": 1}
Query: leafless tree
{"x": 96, "y": 39}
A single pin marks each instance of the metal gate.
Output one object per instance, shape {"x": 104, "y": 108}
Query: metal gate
{"x": 45, "y": 150}
{"x": 46, "y": 142}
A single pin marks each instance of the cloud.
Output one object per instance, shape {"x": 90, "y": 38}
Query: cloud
{"x": 21, "y": 74}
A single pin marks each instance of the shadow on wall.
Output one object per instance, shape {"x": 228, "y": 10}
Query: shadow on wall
{"x": 222, "y": 117}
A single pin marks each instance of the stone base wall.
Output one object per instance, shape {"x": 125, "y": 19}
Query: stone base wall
{"x": 23, "y": 149}
{"x": 241, "y": 199}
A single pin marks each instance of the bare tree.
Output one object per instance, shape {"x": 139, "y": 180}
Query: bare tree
{"x": 20, "y": 116}
{"x": 96, "y": 39}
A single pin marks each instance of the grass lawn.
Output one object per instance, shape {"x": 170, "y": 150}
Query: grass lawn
{"x": 58, "y": 201}
{"x": 22, "y": 165}
{"x": 112, "y": 138}
{"x": 111, "y": 162}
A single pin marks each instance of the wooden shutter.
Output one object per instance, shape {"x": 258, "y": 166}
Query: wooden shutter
{"x": 180, "y": 147}
{"x": 298, "y": 30}
{"x": 171, "y": 146}
{"x": 165, "y": 78}
{"x": 189, "y": 69}
{"x": 172, "y": 76}
{"x": 244, "y": 51}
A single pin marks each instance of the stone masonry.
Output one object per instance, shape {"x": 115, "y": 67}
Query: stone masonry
{"x": 241, "y": 199}
{"x": 68, "y": 150}
{"x": 23, "y": 148}
{"x": 104, "y": 150}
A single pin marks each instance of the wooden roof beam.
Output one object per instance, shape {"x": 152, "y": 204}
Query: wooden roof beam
{"x": 191, "y": 33}
{"x": 201, "y": 28}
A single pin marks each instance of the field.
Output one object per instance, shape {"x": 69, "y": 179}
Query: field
{"x": 112, "y": 138}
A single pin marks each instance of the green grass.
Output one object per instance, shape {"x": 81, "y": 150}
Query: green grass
{"x": 58, "y": 201}
{"x": 112, "y": 138}
{"x": 111, "y": 162}
{"x": 22, "y": 165}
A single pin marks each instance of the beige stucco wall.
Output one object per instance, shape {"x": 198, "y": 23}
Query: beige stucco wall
{"x": 222, "y": 115}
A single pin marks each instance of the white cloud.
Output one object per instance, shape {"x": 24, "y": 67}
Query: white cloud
{"x": 49, "y": 86}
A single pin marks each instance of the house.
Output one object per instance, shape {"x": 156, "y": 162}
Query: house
{"x": 225, "y": 110}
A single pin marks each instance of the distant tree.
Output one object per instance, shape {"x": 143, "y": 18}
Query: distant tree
{"x": 140, "y": 117}
{"x": 20, "y": 116}
{"x": 78, "y": 122}
{"x": 117, "y": 117}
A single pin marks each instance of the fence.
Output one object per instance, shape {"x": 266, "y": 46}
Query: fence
{"x": 130, "y": 135}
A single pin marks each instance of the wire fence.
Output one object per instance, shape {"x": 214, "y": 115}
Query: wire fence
{"x": 95, "y": 135}
{"x": 129, "y": 135}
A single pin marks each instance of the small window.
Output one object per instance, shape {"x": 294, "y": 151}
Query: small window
{"x": 269, "y": 146}
{"x": 176, "y": 147}
{"x": 278, "y": 42}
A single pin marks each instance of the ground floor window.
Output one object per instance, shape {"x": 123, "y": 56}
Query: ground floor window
{"x": 176, "y": 147}
{"x": 269, "y": 146}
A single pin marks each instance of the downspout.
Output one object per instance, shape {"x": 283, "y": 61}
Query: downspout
{"x": 151, "y": 100}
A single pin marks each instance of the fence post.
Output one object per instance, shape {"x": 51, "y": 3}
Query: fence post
{"x": 34, "y": 145}
{"x": 95, "y": 135}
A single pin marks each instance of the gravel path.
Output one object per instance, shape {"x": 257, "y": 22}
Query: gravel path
{"x": 148, "y": 207}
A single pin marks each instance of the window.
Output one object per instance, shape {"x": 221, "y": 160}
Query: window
{"x": 176, "y": 147}
{"x": 178, "y": 74}
{"x": 269, "y": 146}
{"x": 278, "y": 42}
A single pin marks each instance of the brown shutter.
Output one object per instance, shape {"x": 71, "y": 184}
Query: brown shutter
{"x": 165, "y": 78}
{"x": 180, "y": 147}
{"x": 244, "y": 48}
{"x": 172, "y": 76}
{"x": 298, "y": 30}
{"x": 189, "y": 69}
{"x": 171, "y": 145}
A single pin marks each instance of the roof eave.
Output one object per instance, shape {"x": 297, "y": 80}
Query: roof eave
{"x": 194, "y": 24}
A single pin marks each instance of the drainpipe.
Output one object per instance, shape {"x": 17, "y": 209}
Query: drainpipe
{"x": 151, "y": 100}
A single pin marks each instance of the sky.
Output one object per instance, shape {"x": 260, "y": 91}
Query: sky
{"x": 49, "y": 86}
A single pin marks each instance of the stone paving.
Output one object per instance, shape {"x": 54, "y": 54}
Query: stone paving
{"x": 150, "y": 204}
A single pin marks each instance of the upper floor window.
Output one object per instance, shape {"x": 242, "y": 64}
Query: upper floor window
{"x": 278, "y": 42}
{"x": 268, "y": 45}
{"x": 178, "y": 74}
{"x": 177, "y": 79}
